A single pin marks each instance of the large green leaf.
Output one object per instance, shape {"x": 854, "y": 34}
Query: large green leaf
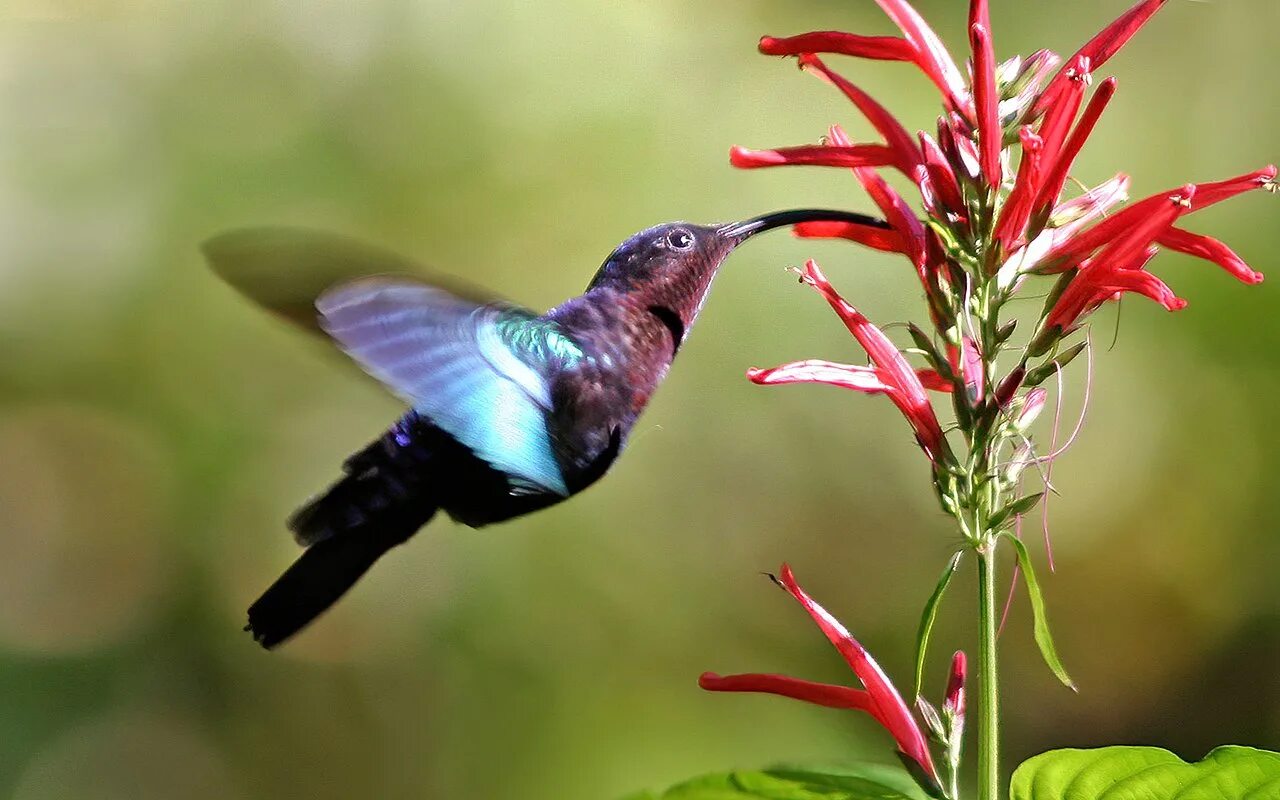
{"x": 858, "y": 782}
{"x": 1148, "y": 773}
{"x": 1040, "y": 617}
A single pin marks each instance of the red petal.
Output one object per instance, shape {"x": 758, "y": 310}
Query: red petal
{"x": 1130, "y": 244}
{"x": 1209, "y": 193}
{"x": 896, "y": 136}
{"x": 1016, "y": 213}
{"x": 990, "y": 135}
{"x": 1080, "y": 245}
{"x": 881, "y": 48}
{"x": 943, "y": 178}
{"x": 909, "y": 394}
{"x": 894, "y": 714}
{"x": 971, "y": 368}
{"x": 934, "y": 382}
{"x": 933, "y": 57}
{"x": 1210, "y": 249}
{"x": 954, "y": 701}
{"x": 872, "y": 236}
{"x": 1057, "y": 174}
{"x": 860, "y": 155}
{"x": 1059, "y": 116}
{"x": 822, "y": 694}
{"x": 1144, "y": 283}
{"x": 1102, "y": 47}
{"x": 848, "y": 376}
{"x": 1093, "y": 203}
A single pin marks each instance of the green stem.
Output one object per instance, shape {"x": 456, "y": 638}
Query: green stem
{"x": 989, "y": 705}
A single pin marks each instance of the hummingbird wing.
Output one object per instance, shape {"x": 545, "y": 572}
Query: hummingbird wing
{"x": 284, "y": 269}
{"x": 477, "y": 370}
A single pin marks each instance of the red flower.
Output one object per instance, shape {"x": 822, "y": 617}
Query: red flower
{"x": 1035, "y": 228}
{"x": 890, "y": 374}
{"x": 955, "y": 698}
{"x": 879, "y": 698}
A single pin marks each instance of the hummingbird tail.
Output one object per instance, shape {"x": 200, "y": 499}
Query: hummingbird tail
{"x": 320, "y": 576}
{"x": 377, "y": 505}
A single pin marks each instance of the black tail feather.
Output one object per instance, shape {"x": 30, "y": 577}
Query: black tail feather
{"x": 314, "y": 582}
{"x": 379, "y": 504}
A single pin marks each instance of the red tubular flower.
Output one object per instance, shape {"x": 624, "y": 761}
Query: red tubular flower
{"x": 872, "y": 236}
{"x": 943, "y": 177}
{"x": 817, "y": 155}
{"x": 880, "y": 699}
{"x": 1012, "y": 224}
{"x": 890, "y": 374}
{"x": 895, "y": 135}
{"x": 879, "y": 48}
{"x": 932, "y": 56}
{"x": 1102, "y": 47}
{"x": 966, "y": 361}
{"x": 895, "y": 209}
{"x": 990, "y": 135}
{"x": 955, "y": 700}
{"x": 1058, "y": 118}
{"x": 1194, "y": 244}
{"x": 1056, "y": 177}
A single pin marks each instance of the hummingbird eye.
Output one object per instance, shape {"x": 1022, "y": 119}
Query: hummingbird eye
{"x": 680, "y": 239}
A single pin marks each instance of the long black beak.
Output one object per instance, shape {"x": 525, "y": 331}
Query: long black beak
{"x": 778, "y": 219}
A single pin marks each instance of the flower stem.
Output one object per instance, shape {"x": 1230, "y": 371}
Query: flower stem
{"x": 989, "y": 703}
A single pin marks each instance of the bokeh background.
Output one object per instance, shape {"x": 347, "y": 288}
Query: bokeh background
{"x": 155, "y": 428}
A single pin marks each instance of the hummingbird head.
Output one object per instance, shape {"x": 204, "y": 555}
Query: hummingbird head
{"x": 670, "y": 267}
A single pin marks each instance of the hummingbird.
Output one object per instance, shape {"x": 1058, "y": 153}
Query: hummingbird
{"x": 510, "y": 411}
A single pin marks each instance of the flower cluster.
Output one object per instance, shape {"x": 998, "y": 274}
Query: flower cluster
{"x": 993, "y": 184}
{"x": 879, "y": 698}
{"x": 993, "y": 181}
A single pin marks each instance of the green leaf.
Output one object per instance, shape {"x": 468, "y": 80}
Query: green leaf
{"x": 1041, "y": 620}
{"x": 930, "y": 615}
{"x": 1015, "y": 509}
{"x": 1148, "y": 773}
{"x": 856, "y": 782}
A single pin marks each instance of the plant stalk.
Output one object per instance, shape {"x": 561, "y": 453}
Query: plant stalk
{"x": 989, "y": 702}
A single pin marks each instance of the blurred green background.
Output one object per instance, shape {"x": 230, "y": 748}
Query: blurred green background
{"x": 155, "y": 428}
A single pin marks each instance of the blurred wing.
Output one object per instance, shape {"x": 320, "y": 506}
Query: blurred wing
{"x": 476, "y": 370}
{"x": 286, "y": 269}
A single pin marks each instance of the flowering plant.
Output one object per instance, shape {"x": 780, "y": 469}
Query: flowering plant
{"x": 998, "y": 217}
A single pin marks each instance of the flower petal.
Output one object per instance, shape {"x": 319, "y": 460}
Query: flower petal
{"x": 943, "y": 178}
{"x": 889, "y": 241}
{"x": 909, "y": 394}
{"x": 859, "y": 155}
{"x": 1056, "y": 175}
{"x": 954, "y": 701}
{"x": 990, "y": 135}
{"x": 1210, "y": 249}
{"x": 880, "y": 48}
{"x": 1012, "y": 223}
{"x": 822, "y": 694}
{"x": 848, "y": 376}
{"x": 933, "y": 57}
{"x": 1059, "y": 116}
{"x": 1105, "y": 44}
{"x": 894, "y": 713}
{"x": 896, "y": 136}
{"x": 1209, "y": 193}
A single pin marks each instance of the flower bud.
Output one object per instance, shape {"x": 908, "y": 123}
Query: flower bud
{"x": 955, "y": 700}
